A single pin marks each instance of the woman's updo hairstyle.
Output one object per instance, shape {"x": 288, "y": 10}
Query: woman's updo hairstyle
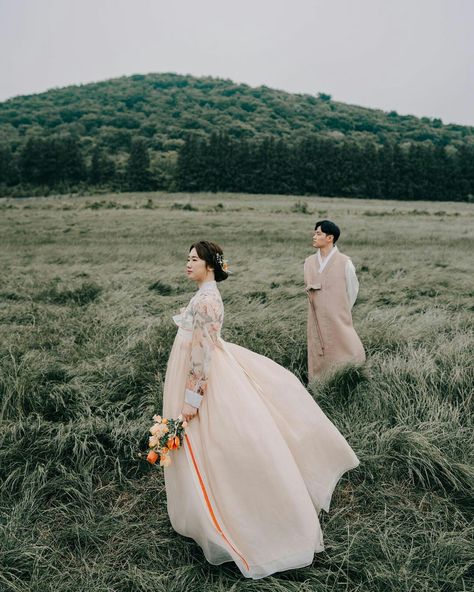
{"x": 213, "y": 255}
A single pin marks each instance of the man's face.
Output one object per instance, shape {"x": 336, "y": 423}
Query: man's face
{"x": 321, "y": 239}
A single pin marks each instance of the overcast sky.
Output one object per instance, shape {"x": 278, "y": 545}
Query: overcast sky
{"x": 413, "y": 56}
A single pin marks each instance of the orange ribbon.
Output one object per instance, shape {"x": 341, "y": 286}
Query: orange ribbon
{"x": 208, "y": 503}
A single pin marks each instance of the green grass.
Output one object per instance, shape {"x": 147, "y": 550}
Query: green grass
{"x": 88, "y": 287}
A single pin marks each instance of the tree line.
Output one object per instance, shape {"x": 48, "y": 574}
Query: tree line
{"x": 59, "y": 163}
{"x": 326, "y": 167}
{"x": 222, "y": 163}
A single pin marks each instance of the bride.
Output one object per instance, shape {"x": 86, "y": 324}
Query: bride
{"x": 260, "y": 459}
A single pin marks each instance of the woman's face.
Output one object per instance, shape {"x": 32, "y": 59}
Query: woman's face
{"x": 196, "y": 268}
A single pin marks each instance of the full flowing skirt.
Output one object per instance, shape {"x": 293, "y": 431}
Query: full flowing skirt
{"x": 259, "y": 461}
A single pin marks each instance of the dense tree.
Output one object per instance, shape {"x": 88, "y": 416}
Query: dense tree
{"x": 324, "y": 96}
{"x": 51, "y": 160}
{"x": 9, "y": 174}
{"x": 102, "y": 168}
{"x": 138, "y": 175}
{"x": 325, "y": 167}
{"x": 70, "y": 160}
{"x": 36, "y": 162}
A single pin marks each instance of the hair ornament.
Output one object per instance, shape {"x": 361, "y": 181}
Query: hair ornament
{"x": 224, "y": 264}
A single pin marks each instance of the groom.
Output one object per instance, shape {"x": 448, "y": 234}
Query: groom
{"x": 331, "y": 285}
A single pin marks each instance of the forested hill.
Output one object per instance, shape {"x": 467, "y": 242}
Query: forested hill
{"x": 164, "y": 108}
{"x": 166, "y": 131}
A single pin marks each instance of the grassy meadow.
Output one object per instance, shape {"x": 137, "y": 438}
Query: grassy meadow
{"x": 88, "y": 288}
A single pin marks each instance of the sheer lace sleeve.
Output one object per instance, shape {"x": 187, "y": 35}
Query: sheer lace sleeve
{"x": 207, "y": 322}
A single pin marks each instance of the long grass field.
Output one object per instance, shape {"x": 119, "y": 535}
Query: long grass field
{"x": 88, "y": 288}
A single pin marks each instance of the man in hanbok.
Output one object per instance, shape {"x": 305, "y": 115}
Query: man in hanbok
{"x": 332, "y": 286}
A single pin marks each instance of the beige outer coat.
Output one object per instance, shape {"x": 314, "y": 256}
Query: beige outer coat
{"x": 332, "y": 340}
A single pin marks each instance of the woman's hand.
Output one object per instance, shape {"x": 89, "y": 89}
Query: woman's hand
{"x": 188, "y": 411}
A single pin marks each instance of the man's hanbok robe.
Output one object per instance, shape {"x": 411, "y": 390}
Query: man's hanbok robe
{"x": 331, "y": 286}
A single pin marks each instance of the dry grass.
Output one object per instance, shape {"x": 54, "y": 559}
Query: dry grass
{"x": 88, "y": 287}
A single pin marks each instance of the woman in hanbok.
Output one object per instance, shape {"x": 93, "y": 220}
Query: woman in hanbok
{"x": 259, "y": 459}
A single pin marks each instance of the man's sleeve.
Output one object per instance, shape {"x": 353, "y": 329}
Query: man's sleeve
{"x": 352, "y": 283}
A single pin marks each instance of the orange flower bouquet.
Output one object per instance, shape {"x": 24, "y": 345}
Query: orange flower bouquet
{"x": 166, "y": 435}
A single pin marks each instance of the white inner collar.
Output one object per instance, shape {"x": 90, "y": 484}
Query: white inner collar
{"x": 323, "y": 262}
{"x": 208, "y": 285}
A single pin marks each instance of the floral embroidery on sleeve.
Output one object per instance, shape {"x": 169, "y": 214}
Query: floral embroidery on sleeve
{"x": 207, "y": 323}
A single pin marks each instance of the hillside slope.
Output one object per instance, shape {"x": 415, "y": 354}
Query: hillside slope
{"x": 164, "y": 108}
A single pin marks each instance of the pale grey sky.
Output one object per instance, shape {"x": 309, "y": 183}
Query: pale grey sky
{"x": 413, "y": 56}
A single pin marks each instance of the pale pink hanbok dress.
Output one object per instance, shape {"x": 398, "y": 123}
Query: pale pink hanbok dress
{"x": 260, "y": 459}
